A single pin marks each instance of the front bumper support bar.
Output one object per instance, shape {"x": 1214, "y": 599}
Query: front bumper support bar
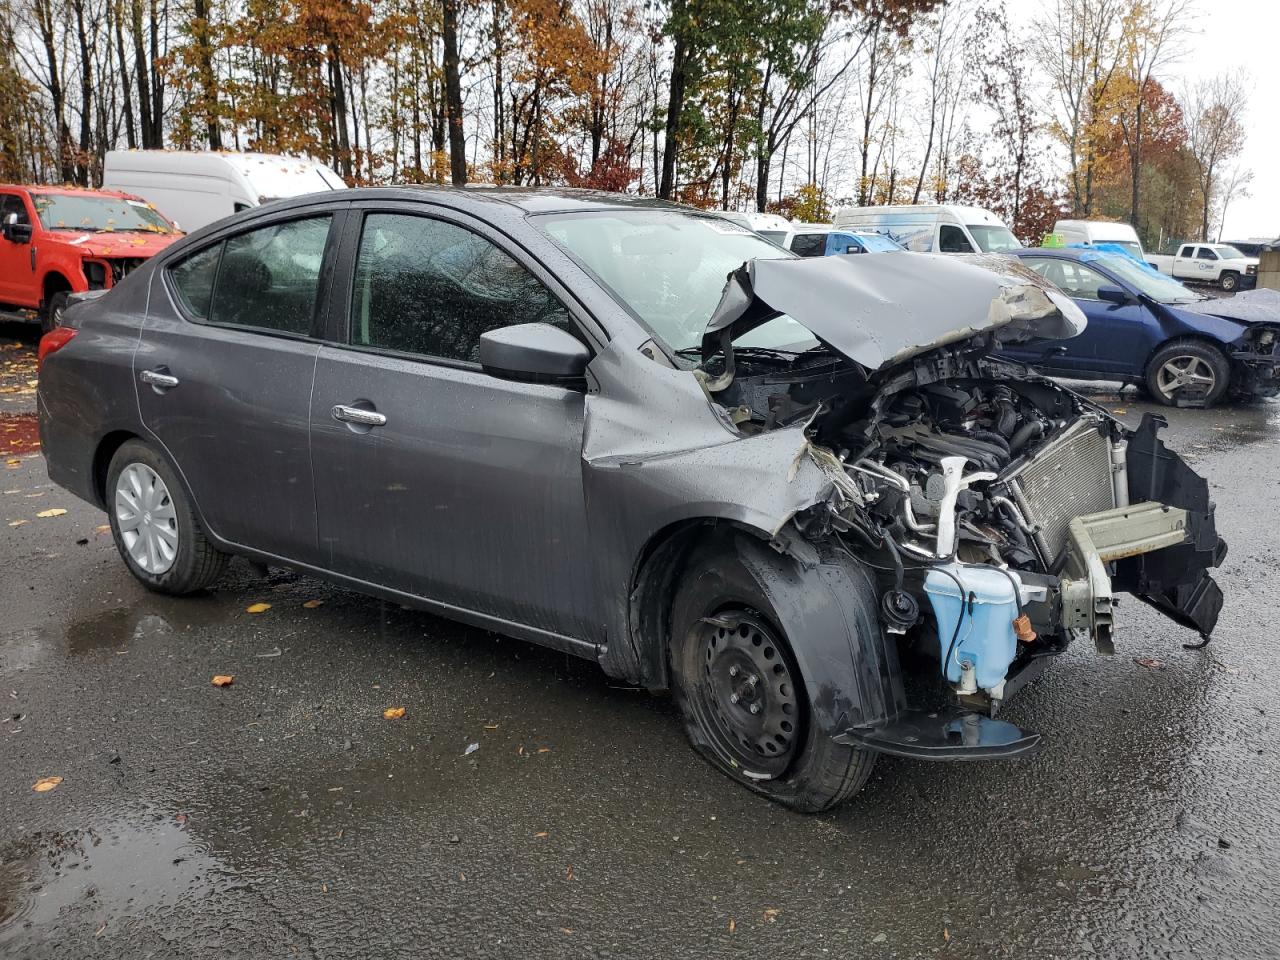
{"x": 956, "y": 735}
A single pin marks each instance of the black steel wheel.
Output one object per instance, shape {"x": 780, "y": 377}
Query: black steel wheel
{"x": 748, "y": 691}
{"x": 741, "y": 691}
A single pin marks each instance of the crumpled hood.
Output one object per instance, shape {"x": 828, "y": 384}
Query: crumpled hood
{"x": 877, "y": 310}
{"x": 1249, "y": 306}
{"x": 117, "y": 243}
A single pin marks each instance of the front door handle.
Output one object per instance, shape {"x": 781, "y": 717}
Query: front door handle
{"x": 157, "y": 379}
{"x": 366, "y": 418}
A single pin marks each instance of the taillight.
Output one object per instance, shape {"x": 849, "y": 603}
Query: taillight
{"x": 52, "y": 342}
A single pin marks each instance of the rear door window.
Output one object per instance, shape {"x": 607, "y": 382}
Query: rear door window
{"x": 264, "y": 279}
{"x": 809, "y": 244}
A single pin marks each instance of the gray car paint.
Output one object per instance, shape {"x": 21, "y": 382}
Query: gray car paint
{"x": 657, "y": 464}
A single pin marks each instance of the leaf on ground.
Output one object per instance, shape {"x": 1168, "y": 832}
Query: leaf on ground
{"x": 1120, "y": 410}
{"x": 771, "y": 914}
{"x": 55, "y": 512}
{"x": 13, "y": 462}
{"x": 733, "y": 925}
{"x": 312, "y": 604}
{"x": 471, "y": 748}
{"x": 568, "y": 873}
{"x": 393, "y": 713}
{"x": 102, "y": 528}
{"x": 1149, "y": 662}
{"x": 544, "y": 749}
{"x": 541, "y": 835}
{"x": 491, "y": 726}
{"x": 18, "y": 523}
{"x": 257, "y": 608}
{"x": 45, "y": 784}
{"x": 223, "y": 680}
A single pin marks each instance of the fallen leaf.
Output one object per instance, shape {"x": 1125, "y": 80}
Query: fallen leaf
{"x": 223, "y": 680}
{"x": 13, "y": 461}
{"x": 257, "y": 608}
{"x": 393, "y": 713}
{"x": 544, "y": 749}
{"x": 471, "y": 748}
{"x": 312, "y": 604}
{"x": 771, "y": 914}
{"x": 55, "y": 512}
{"x": 45, "y": 784}
{"x": 566, "y": 929}
{"x": 946, "y": 934}
{"x": 324, "y": 888}
{"x": 568, "y": 874}
{"x": 733, "y": 925}
{"x": 491, "y": 726}
{"x": 1120, "y": 410}
{"x": 1149, "y": 662}
{"x": 102, "y": 528}
{"x": 540, "y": 835}
{"x": 18, "y": 523}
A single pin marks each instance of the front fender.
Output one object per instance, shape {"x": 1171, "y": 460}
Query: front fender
{"x": 828, "y": 611}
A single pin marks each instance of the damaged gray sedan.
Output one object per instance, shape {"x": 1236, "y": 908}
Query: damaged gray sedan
{"x": 800, "y": 494}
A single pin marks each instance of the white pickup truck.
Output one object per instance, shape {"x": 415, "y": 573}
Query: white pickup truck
{"x": 1216, "y": 263}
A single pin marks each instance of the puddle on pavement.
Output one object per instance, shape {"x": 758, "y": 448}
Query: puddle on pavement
{"x": 114, "y": 629}
{"x": 105, "y": 874}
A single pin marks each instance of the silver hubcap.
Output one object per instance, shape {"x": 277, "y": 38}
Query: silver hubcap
{"x": 146, "y": 519}
{"x": 1181, "y": 373}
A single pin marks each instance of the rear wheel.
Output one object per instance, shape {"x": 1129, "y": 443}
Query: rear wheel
{"x": 154, "y": 525}
{"x": 1188, "y": 371}
{"x": 1229, "y": 281}
{"x": 743, "y": 696}
{"x": 54, "y": 307}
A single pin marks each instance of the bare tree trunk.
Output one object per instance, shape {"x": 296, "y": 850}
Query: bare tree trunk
{"x": 453, "y": 96}
{"x": 675, "y": 106}
{"x": 208, "y": 82}
{"x": 126, "y": 87}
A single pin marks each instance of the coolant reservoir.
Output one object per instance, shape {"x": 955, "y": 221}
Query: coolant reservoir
{"x": 983, "y": 602}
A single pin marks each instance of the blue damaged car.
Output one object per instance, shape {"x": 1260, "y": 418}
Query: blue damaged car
{"x": 1149, "y": 330}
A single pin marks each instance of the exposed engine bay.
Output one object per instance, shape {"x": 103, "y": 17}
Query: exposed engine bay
{"x": 995, "y": 506}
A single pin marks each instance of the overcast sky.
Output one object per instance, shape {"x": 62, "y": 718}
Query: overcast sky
{"x": 1241, "y": 35}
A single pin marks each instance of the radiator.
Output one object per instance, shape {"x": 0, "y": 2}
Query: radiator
{"x": 1068, "y": 478}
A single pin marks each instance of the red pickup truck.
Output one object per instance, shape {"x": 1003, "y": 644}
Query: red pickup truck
{"x": 60, "y": 240}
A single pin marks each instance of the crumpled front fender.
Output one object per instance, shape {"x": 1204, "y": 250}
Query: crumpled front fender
{"x": 827, "y": 608}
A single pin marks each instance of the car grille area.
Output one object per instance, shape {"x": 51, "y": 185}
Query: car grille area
{"x": 121, "y": 267}
{"x": 1068, "y": 478}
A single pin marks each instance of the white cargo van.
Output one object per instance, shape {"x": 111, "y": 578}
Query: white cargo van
{"x": 196, "y": 188}
{"x": 771, "y": 226}
{"x": 1090, "y": 232}
{"x": 929, "y": 228}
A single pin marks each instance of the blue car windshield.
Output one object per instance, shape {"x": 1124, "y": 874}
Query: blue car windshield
{"x": 1146, "y": 281}
{"x": 877, "y": 243}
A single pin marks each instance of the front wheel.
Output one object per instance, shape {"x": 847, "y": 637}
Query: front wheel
{"x": 742, "y": 695}
{"x": 154, "y": 526}
{"x": 1229, "y": 281}
{"x": 1188, "y": 371}
{"x": 54, "y": 308}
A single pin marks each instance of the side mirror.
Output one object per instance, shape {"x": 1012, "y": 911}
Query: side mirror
{"x": 1114, "y": 295}
{"x": 16, "y": 232}
{"x": 533, "y": 353}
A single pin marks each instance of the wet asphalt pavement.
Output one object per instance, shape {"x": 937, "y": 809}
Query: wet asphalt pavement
{"x": 283, "y": 816}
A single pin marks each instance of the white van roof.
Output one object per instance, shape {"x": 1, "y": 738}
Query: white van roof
{"x": 271, "y": 175}
{"x": 1102, "y": 230}
{"x": 924, "y": 210}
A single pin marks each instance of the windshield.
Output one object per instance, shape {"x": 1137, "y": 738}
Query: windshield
{"x": 1131, "y": 245}
{"x": 95, "y": 213}
{"x": 1157, "y": 286}
{"x": 669, "y": 269}
{"x": 1228, "y": 252}
{"x": 993, "y": 239}
{"x": 877, "y": 243}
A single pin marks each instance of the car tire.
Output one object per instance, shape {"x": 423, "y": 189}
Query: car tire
{"x": 721, "y": 620}
{"x": 51, "y": 315}
{"x": 154, "y": 525}
{"x": 1229, "y": 281}
{"x": 1201, "y": 365}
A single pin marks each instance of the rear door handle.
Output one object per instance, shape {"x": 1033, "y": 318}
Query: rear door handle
{"x": 157, "y": 379}
{"x": 367, "y": 418}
